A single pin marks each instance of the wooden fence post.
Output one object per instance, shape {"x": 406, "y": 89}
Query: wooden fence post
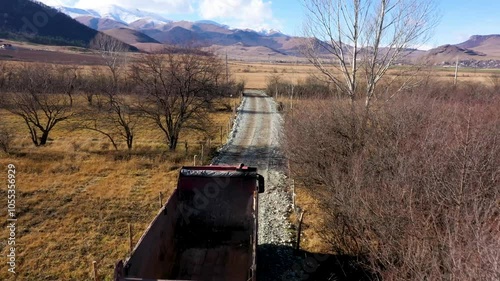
{"x": 161, "y": 199}
{"x": 221, "y": 135}
{"x": 94, "y": 271}
{"x": 299, "y": 231}
{"x": 202, "y": 153}
{"x": 130, "y": 237}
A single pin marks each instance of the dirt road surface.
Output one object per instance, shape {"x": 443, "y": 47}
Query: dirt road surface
{"x": 256, "y": 142}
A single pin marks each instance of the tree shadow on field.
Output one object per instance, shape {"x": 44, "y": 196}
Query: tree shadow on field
{"x": 281, "y": 263}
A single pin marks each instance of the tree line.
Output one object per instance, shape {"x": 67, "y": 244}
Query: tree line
{"x": 174, "y": 89}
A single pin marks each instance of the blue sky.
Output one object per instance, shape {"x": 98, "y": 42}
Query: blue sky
{"x": 459, "y": 18}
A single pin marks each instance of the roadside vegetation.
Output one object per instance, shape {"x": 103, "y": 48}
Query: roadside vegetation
{"x": 399, "y": 171}
{"x": 411, "y": 190}
{"x": 90, "y": 160}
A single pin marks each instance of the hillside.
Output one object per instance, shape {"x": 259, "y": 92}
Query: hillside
{"x": 211, "y": 34}
{"x": 480, "y": 51}
{"x": 100, "y": 24}
{"x": 130, "y": 36}
{"x": 34, "y": 22}
{"x": 201, "y": 33}
{"x": 49, "y": 26}
{"x": 447, "y": 52}
{"x": 487, "y": 44}
{"x": 148, "y": 31}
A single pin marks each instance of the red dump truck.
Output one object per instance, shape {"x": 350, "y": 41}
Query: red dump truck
{"x": 206, "y": 231}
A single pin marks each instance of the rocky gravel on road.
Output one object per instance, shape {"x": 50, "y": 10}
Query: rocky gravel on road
{"x": 255, "y": 141}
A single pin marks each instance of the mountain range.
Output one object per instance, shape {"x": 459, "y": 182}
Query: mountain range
{"x": 27, "y": 20}
{"x": 114, "y": 12}
{"x": 149, "y": 31}
{"x": 125, "y": 24}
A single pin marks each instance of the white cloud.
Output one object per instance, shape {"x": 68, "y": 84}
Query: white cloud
{"x": 255, "y": 14}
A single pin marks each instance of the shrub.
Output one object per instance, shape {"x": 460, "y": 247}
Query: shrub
{"x": 416, "y": 190}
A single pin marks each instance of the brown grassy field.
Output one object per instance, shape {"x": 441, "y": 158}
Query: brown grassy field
{"x": 76, "y": 196}
{"x": 256, "y": 75}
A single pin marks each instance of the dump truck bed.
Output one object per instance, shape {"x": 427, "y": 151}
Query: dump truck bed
{"x": 206, "y": 231}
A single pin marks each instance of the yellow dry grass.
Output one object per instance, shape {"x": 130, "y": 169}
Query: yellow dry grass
{"x": 76, "y": 196}
{"x": 312, "y": 223}
{"x": 256, "y": 75}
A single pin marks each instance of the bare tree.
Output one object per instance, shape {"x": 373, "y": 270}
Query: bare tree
{"x": 275, "y": 85}
{"x": 5, "y": 76}
{"x": 125, "y": 119}
{"x": 178, "y": 85}
{"x": 113, "y": 52}
{"x": 92, "y": 84}
{"x": 359, "y": 40}
{"x": 42, "y": 98}
{"x": 421, "y": 200}
{"x": 5, "y": 138}
{"x": 112, "y": 115}
{"x": 67, "y": 80}
{"x": 109, "y": 110}
{"x": 115, "y": 119}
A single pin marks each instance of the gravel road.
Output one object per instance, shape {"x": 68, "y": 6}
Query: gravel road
{"x": 255, "y": 141}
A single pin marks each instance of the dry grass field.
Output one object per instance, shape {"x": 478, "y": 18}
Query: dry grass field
{"x": 256, "y": 75}
{"x": 77, "y": 195}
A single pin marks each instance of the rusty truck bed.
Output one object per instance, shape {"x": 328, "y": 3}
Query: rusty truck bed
{"x": 207, "y": 231}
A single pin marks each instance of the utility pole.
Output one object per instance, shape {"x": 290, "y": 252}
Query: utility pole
{"x": 294, "y": 78}
{"x": 456, "y": 73}
{"x": 227, "y": 71}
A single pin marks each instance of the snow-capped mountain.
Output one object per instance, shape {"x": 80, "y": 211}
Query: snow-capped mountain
{"x": 128, "y": 24}
{"x": 76, "y": 12}
{"x": 114, "y": 12}
{"x": 270, "y": 32}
